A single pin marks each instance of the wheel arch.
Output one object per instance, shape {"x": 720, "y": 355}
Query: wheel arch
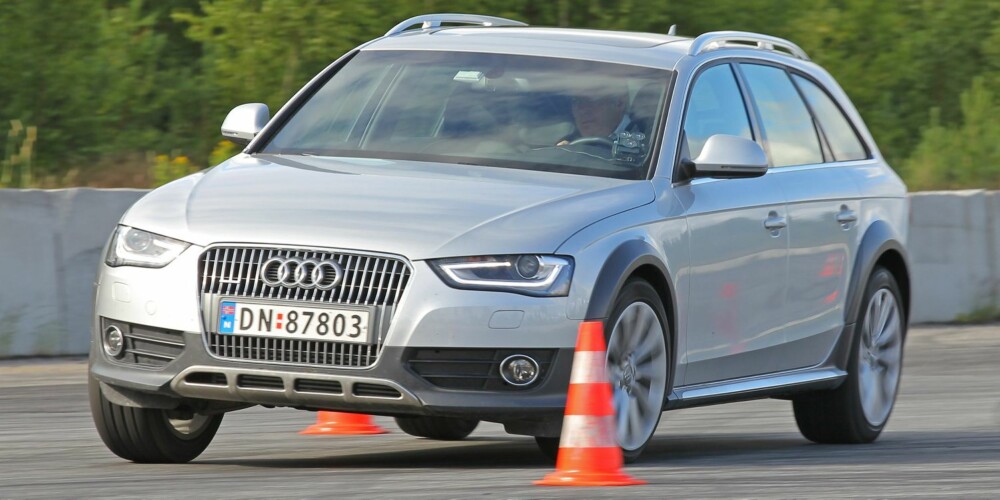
{"x": 634, "y": 259}
{"x": 880, "y": 246}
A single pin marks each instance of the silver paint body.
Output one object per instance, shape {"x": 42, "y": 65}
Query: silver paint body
{"x": 756, "y": 305}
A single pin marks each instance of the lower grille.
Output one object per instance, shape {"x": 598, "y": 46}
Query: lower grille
{"x": 323, "y": 386}
{"x": 207, "y": 378}
{"x": 472, "y": 369}
{"x": 146, "y": 345}
{"x": 260, "y": 382}
{"x": 375, "y": 391}
{"x": 306, "y": 352}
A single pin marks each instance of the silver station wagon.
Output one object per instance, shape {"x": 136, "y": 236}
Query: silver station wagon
{"x": 421, "y": 230}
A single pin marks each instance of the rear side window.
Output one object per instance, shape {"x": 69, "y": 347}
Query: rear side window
{"x": 839, "y": 133}
{"x": 715, "y": 107}
{"x": 788, "y": 126}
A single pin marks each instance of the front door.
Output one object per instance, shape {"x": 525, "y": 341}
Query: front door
{"x": 739, "y": 247}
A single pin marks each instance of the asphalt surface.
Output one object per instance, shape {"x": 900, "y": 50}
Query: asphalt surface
{"x": 943, "y": 440}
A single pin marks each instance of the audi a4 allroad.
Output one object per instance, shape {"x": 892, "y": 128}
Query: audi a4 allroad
{"x": 421, "y": 230}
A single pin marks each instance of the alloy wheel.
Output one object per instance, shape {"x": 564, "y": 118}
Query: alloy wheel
{"x": 880, "y": 356}
{"x": 637, "y": 368}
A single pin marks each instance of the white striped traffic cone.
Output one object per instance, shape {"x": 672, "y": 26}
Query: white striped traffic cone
{"x": 589, "y": 454}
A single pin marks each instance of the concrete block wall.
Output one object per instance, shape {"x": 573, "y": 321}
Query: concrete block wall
{"x": 51, "y": 242}
{"x": 954, "y": 250}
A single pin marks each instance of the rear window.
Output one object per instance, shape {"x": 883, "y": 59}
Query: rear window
{"x": 838, "y": 130}
{"x": 561, "y": 115}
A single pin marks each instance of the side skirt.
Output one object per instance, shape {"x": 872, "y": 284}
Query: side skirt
{"x": 756, "y": 387}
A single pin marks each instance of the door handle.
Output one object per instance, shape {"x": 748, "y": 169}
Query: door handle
{"x": 846, "y": 217}
{"x": 775, "y": 223}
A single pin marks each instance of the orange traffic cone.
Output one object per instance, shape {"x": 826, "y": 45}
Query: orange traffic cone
{"x": 337, "y": 423}
{"x": 588, "y": 451}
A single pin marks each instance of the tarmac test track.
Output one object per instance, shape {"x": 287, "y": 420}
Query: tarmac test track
{"x": 943, "y": 440}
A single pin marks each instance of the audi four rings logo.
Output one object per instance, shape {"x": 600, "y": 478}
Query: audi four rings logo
{"x": 307, "y": 274}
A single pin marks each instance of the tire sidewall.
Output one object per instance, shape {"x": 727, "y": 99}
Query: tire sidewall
{"x": 639, "y": 290}
{"x": 144, "y": 435}
{"x": 880, "y": 279}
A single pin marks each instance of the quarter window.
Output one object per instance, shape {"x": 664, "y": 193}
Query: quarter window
{"x": 843, "y": 140}
{"x": 788, "y": 126}
{"x": 716, "y": 107}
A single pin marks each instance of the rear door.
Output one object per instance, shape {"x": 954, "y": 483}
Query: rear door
{"x": 823, "y": 202}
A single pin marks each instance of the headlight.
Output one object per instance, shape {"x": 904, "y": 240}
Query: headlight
{"x": 135, "y": 247}
{"x": 538, "y": 275}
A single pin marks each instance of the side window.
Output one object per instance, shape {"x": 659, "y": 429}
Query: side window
{"x": 788, "y": 126}
{"x": 843, "y": 140}
{"x": 715, "y": 107}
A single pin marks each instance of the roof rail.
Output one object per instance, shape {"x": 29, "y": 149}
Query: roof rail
{"x": 436, "y": 20}
{"x": 740, "y": 39}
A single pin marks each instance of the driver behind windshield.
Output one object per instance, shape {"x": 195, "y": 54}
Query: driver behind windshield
{"x": 600, "y": 113}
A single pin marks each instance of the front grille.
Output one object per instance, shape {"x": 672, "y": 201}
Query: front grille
{"x": 472, "y": 369}
{"x": 368, "y": 280}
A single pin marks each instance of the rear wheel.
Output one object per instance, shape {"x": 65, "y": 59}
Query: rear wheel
{"x": 857, "y": 411}
{"x": 150, "y": 435}
{"x": 439, "y": 428}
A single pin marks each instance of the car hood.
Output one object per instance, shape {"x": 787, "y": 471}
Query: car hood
{"x": 416, "y": 209}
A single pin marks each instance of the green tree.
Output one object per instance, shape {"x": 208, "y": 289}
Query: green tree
{"x": 103, "y": 80}
{"x": 961, "y": 156}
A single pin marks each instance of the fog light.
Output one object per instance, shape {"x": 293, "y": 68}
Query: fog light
{"x": 114, "y": 341}
{"x": 519, "y": 370}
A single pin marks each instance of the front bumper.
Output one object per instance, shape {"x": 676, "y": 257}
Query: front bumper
{"x": 392, "y": 388}
{"x": 430, "y": 316}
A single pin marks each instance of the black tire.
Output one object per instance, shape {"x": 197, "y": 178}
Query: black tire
{"x": 639, "y": 290}
{"x": 837, "y": 416}
{"x": 145, "y": 435}
{"x": 549, "y": 446}
{"x": 439, "y": 428}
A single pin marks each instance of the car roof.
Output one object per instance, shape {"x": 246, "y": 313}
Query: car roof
{"x": 641, "y": 49}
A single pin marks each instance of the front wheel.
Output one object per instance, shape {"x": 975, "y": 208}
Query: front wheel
{"x": 857, "y": 411}
{"x": 638, "y": 364}
{"x": 439, "y": 428}
{"x": 147, "y": 435}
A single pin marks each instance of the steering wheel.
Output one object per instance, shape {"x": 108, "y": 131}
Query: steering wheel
{"x": 600, "y": 141}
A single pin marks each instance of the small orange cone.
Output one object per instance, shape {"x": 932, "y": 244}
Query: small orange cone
{"x": 588, "y": 451}
{"x": 336, "y": 423}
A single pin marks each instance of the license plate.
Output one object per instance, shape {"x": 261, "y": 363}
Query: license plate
{"x": 309, "y": 323}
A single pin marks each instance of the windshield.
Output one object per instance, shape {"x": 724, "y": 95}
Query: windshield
{"x": 538, "y": 113}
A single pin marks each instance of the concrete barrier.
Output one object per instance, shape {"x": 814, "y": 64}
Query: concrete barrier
{"x": 50, "y": 244}
{"x": 51, "y": 241}
{"x": 955, "y": 255}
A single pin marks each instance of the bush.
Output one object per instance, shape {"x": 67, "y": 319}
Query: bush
{"x": 966, "y": 155}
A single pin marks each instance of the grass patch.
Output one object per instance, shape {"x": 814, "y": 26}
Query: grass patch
{"x": 985, "y": 314}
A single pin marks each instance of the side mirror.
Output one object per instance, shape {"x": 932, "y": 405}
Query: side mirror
{"x": 727, "y": 156}
{"x": 245, "y": 121}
